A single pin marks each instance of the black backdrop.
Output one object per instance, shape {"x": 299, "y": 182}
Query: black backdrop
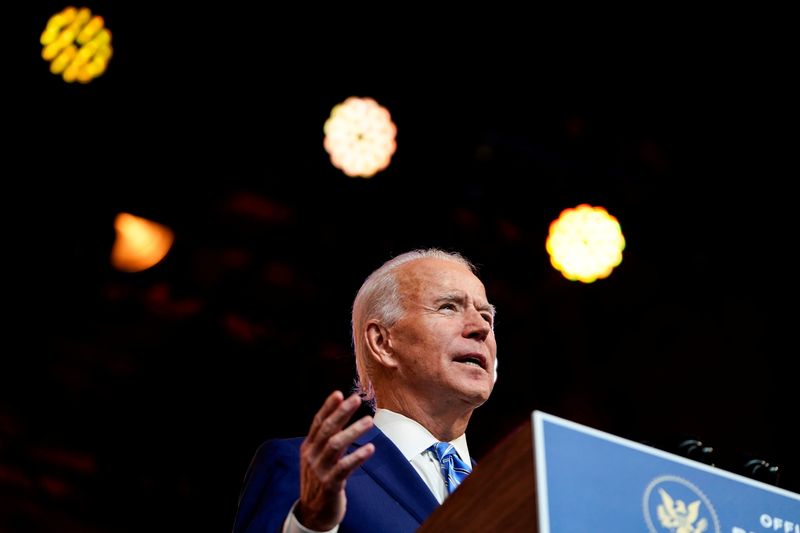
{"x": 136, "y": 401}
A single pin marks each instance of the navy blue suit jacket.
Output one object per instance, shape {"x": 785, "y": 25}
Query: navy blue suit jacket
{"x": 384, "y": 494}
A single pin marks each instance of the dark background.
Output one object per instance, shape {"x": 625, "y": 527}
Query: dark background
{"x": 135, "y": 401}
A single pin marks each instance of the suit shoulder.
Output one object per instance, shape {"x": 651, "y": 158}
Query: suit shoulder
{"x": 278, "y": 450}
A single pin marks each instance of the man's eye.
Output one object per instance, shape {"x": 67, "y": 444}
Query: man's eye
{"x": 449, "y": 307}
{"x": 488, "y": 318}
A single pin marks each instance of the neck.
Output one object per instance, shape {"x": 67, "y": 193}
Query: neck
{"x": 445, "y": 422}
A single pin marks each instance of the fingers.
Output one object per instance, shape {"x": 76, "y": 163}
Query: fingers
{"x": 328, "y": 437}
{"x": 323, "y": 466}
{"x": 331, "y": 403}
{"x": 348, "y": 464}
{"x": 332, "y": 417}
{"x": 322, "y": 498}
{"x": 338, "y": 443}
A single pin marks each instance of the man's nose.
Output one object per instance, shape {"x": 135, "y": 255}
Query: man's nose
{"x": 476, "y": 326}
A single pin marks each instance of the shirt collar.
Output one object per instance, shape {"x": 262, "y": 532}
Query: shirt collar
{"x": 411, "y": 438}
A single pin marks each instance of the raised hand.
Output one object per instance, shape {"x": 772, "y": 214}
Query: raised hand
{"x": 324, "y": 468}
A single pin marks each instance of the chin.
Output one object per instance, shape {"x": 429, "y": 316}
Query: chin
{"x": 477, "y": 397}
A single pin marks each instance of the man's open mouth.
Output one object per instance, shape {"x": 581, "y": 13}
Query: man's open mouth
{"x": 472, "y": 359}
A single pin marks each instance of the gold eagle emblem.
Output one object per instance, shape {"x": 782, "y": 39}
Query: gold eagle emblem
{"x": 679, "y": 517}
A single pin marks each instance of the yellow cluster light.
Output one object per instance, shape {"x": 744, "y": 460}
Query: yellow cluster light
{"x": 360, "y": 137}
{"x": 585, "y": 243}
{"x": 76, "y": 44}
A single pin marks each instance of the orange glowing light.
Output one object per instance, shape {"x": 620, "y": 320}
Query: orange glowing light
{"x": 360, "y": 137}
{"x": 585, "y": 243}
{"x": 76, "y": 44}
{"x": 139, "y": 244}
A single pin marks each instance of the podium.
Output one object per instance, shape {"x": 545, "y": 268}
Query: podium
{"x": 499, "y": 494}
{"x": 554, "y": 475}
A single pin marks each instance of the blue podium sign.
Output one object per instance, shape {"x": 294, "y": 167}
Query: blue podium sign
{"x": 588, "y": 480}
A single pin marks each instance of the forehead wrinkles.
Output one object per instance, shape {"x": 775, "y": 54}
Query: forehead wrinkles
{"x": 428, "y": 278}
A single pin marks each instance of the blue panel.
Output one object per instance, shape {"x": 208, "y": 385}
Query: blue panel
{"x": 594, "y": 481}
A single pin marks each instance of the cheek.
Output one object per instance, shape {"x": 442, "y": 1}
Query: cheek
{"x": 424, "y": 336}
{"x": 492, "y": 342}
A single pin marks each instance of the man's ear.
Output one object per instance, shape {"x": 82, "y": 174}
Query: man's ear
{"x": 379, "y": 344}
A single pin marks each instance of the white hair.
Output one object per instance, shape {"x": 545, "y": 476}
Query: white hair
{"x": 379, "y": 298}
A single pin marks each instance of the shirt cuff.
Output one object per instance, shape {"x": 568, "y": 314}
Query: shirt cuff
{"x": 293, "y": 525}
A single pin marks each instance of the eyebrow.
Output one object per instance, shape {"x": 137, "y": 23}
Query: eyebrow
{"x": 460, "y": 298}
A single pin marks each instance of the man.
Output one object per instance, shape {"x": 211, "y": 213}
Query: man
{"x": 425, "y": 354}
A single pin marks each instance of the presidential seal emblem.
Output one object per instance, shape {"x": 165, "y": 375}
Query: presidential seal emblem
{"x": 675, "y": 505}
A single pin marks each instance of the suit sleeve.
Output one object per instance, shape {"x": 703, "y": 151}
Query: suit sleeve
{"x": 271, "y": 486}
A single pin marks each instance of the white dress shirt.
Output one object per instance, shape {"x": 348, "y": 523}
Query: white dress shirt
{"x": 413, "y": 441}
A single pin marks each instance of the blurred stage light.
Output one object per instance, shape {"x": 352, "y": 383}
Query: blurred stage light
{"x": 77, "y": 45}
{"x": 360, "y": 137}
{"x": 585, "y": 243}
{"x": 140, "y": 243}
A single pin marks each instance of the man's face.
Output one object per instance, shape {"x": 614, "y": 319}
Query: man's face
{"x": 444, "y": 344}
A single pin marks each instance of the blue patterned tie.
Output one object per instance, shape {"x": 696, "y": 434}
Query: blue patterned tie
{"x": 454, "y": 470}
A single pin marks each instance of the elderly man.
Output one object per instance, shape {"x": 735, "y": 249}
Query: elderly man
{"x": 425, "y": 355}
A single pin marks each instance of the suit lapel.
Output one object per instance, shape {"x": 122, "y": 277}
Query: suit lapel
{"x": 397, "y": 476}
